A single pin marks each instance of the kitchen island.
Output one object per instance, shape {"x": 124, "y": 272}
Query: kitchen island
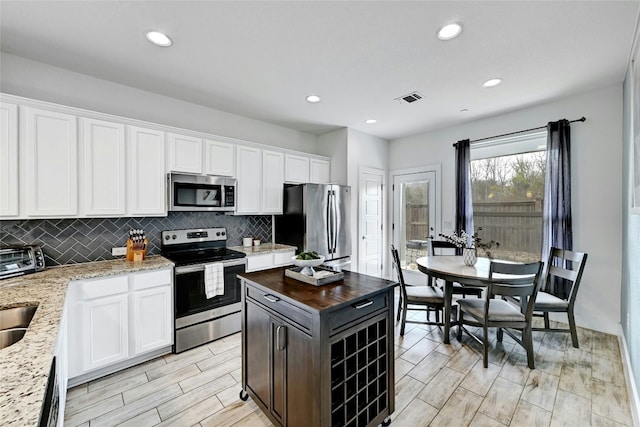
{"x": 318, "y": 355}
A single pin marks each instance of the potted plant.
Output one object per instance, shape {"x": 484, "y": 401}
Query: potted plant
{"x": 470, "y": 243}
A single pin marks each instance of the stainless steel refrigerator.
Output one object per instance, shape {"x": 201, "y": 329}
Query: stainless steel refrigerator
{"x": 316, "y": 217}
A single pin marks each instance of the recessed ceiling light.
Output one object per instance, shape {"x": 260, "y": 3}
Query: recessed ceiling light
{"x": 313, "y": 98}
{"x": 492, "y": 82}
{"x": 450, "y": 31}
{"x": 370, "y": 121}
{"x": 464, "y": 110}
{"x": 158, "y": 38}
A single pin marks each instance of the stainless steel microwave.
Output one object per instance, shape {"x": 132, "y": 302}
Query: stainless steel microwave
{"x": 201, "y": 193}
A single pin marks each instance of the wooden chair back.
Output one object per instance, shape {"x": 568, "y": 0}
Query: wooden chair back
{"x": 398, "y": 266}
{"x": 527, "y": 291}
{"x": 564, "y": 264}
{"x": 440, "y": 245}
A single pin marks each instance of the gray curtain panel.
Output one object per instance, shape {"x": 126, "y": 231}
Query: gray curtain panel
{"x": 464, "y": 204}
{"x": 556, "y": 228}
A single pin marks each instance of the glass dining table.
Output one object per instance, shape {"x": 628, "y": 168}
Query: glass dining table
{"x": 451, "y": 268}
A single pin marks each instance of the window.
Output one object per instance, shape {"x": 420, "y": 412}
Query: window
{"x": 507, "y": 186}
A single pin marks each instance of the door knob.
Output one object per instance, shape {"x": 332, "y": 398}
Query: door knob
{"x": 363, "y": 238}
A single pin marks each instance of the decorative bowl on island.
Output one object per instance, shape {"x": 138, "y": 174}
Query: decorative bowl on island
{"x": 307, "y": 264}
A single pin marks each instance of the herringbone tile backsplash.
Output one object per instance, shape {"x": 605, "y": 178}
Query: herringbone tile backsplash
{"x": 70, "y": 241}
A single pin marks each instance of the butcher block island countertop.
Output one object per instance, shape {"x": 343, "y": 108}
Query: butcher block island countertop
{"x": 318, "y": 355}
{"x": 24, "y": 366}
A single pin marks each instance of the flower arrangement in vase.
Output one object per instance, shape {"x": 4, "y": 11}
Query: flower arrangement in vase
{"x": 470, "y": 243}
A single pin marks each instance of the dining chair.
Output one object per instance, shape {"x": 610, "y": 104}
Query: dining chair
{"x": 566, "y": 265}
{"x": 418, "y": 297}
{"x": 492, "y": 312}
{"x": 442, "y": 247}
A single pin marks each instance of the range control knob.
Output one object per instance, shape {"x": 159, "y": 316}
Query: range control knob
{"x": 174, "y": 237}
{"x": 223, "y": 233}
{"x": 218, "y": 233}
{"x": 167, "y": 237}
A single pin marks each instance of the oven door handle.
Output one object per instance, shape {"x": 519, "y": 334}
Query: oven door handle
{"x": 200, "y": 267}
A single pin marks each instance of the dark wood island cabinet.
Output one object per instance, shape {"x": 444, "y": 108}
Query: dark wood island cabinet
{"x": 318, "y": 356}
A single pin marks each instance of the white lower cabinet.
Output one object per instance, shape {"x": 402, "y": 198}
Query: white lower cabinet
{"x": 269, "y": 260}
{"x": 114, "y": 319}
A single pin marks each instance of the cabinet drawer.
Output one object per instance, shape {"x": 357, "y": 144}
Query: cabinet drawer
{"x": 151, "y": 279}
{"x": 280, "y": 306}
{"x": 282, "y": 258}
{"x": 356, "y": 310}
{"x": 259, "y": 262}
{"x": 104, "y": 287}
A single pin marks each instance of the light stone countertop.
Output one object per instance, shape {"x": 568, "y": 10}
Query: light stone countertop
{"x": 263, "y": 248}
{"x": 24, "y": 366}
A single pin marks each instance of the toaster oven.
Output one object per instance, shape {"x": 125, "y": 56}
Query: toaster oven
{"x": 19, "y": 260}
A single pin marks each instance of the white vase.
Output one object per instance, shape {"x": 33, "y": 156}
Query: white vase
{"x": 469, "y": 256}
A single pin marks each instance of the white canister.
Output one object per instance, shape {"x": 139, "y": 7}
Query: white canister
{"x": 256, "y": 242}
{"x": 247, "y": 241}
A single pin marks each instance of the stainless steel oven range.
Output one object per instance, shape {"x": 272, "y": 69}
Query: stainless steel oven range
{"x": 200, "y": 315}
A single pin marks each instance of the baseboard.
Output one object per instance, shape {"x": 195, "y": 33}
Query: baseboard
{"x": 632, "y": 390}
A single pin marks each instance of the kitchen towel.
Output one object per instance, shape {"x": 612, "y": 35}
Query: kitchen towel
{"x": 213, "y": 279}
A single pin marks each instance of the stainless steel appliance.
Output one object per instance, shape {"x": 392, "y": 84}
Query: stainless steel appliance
{"x": 19, "y": 260}
{"x": 317, "y": 217}
{"x": 199, "y": 319}
{"x": 201, "y": 193}
{"x": 51, "y": 402}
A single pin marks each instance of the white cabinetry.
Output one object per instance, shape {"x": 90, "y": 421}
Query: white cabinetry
{"x": 249, "y": 174}
{"x": 269, "y": 260}
{"x": 62, "y": 363}
{"x": 51, "y": 164}
{"x": 117, "y": 319}
{"x": 8, "y": 159}
{"x": 184, "y": 153}
{"x": 219, "y": 158}
{"x": 296, "y": 169}
{"x": 147, "y": 181}
{"x": 319, "y": 171}
{"x": 103, "y": 168}
{"x": 272, "y": 181}
{"x": 152, "y": 311}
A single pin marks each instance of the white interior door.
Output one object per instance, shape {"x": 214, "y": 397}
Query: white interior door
{"x": 415, "y": 214}
{"x": 370, "y": 251}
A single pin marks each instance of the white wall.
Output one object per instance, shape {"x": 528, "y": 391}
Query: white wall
{"x": 596, "y": 190}
{"x": 23, "y": 77}
{"x": 334, "y": 145}
{"x": 363, "y": 150}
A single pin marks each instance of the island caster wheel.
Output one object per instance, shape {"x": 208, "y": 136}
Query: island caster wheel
{"x": 244, "y": 396}
{"x": 386, "y": 422}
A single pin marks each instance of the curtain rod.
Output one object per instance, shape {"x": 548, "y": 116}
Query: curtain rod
{"x": 581, "y": 119}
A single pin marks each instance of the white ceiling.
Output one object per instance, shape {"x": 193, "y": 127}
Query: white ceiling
{"x": 261, "y": 58}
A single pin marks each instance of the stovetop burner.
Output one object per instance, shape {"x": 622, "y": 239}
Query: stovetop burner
{"x": 197, "y": 246}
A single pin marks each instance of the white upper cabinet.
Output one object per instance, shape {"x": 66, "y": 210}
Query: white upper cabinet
{"x": 319, "y": 171}
{"x": 103, "y": 168}
{"x": 272, "y": 181}
{"x": 146, "y": 176}
{"x": 184, "y": 153}
{"x": 296, "y": 168}
{"x": 219, "y": 158}
{"x": 249, "y": 175}
{"x": 8, "y": 160}
{"x": 51, "y": 164}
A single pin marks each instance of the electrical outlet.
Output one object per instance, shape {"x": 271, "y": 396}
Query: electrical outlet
{"x": 121, "y": 251}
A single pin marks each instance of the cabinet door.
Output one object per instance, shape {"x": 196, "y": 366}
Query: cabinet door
{"x": 319, "y": 171}
{"x": 105, "y": 331}
{"x": 51, "y": 162}
{"x": 296, "y": 168}
{"x": 8, "y": 160}
{"x": 219, "y": 158}
{"x": 272, "y": 181}
{"x": 278, "y": 330}
{"x": 301, "y": 395}
{"x": 152, "y": 316}
{"x": 249, "y": 177}
{"x": 147, "y": 181}
{"x": 256, "y": 363}
{"x": 185, "y": 153}
{"x": 103, "y": 166}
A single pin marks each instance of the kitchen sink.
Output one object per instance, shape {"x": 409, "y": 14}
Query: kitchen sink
{"x": 16, "y": 317}
{"x": 11, "y": 336}
{"x": 13, "y": 324}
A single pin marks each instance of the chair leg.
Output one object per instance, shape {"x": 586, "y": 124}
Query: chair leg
{"x": 429, "y": 315}
{"x": 459, "y": 325}
{"x": 437, "y": 316}
{"x": 546, "y": 320}
{"x": 404, "y": 318}
{"x": 499, "y": 334}
{"x": 527, "y": 340}
{"x": 572, "y": 327}
{"x": 485, "y": 345}
{"x": 399, "y": 307}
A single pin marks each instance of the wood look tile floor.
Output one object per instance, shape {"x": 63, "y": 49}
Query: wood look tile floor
{"x": 436, "y": 385}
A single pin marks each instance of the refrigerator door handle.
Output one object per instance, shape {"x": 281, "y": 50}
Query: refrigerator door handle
{"x": 334, "y": 222}
{"x": 329, "y": 224}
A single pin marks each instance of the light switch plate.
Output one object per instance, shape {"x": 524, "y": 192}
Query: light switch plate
{"x": 120, "y": 251}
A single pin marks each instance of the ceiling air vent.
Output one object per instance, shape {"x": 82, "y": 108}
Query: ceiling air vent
{"x": 409, "y": 98}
